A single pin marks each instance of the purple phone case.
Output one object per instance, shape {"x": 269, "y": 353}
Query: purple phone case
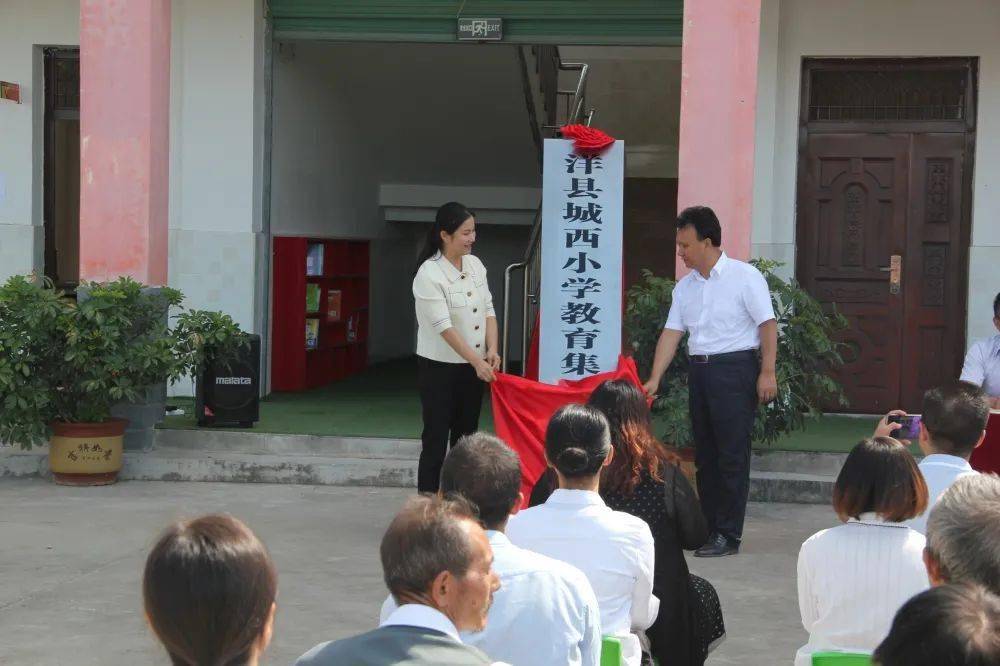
{"x": 910, "y": 429}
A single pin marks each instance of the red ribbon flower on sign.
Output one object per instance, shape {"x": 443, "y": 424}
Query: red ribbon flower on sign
{"x": 587, "y": 140}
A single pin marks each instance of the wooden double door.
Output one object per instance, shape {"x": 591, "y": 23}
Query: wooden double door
{"x": 883, "y": 225}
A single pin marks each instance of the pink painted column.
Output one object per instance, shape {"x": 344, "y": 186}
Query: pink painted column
{"x": 718, "y": 112}
{"x": 124, "y": 126}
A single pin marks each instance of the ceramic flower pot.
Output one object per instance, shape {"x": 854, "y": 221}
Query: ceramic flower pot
{"x": 86, "y": 454}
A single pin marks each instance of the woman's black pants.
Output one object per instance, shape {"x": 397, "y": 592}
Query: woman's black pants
{"x": 451, "y": 396}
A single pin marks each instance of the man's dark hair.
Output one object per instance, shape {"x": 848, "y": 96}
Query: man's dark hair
{"x": 955, "y": 416}
{"x": 950, "y": 625}
{"x": 996, "y": 305}
{"x": 486, "y": 472}
{"x": 704, "y": 221}
{"x": 425, "y": 538}
{"x": 880, "y": 476}
{"x": 208, "y": 589}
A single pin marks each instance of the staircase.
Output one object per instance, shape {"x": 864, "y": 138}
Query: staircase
{"x": 549, "y": 108}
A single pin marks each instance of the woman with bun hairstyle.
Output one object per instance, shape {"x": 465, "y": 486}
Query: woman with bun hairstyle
{"x": 613, "y": 549}
{"x": 209, "y": 592}
{"x": 644, "y": 479}
{"x": 456, "y": 337}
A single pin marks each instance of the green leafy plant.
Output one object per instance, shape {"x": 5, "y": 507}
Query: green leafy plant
{"x": 806, "y": 351}
{"x": 71, "y": 361}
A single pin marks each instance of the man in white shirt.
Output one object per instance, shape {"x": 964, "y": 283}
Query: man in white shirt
{"x": 545, "y": 611}
{"x": 982, "y": 362}
{"x": 437, "y": 562}
{"x": 953, "y": 423}
{"x": 725, "y": 306}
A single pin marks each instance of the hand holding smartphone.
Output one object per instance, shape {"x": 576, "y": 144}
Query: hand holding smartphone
{"x": 910, "y": 425}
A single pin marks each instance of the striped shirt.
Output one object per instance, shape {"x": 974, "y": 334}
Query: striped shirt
{"x": 852, "y": 579}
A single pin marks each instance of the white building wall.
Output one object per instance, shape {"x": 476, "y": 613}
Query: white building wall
{"x": 794, "y": 29}
{"x": 214, "y": 140}
{"x": 26, "y": 26}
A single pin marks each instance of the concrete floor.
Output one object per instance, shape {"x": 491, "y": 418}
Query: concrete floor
{"x": 71, "y": 561}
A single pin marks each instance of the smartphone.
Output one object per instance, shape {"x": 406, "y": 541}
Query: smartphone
{"x": 910, "y": 423}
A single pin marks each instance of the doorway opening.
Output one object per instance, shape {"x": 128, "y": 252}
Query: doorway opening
{"x": 61, "y": 165}
{"x": 368, "y": 139}
{"x": 884, "y": 217}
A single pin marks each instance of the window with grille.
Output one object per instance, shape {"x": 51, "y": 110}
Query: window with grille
{"x": 893, "y": 92}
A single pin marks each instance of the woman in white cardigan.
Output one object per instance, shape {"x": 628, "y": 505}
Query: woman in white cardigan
{"x": 854, "y": 577}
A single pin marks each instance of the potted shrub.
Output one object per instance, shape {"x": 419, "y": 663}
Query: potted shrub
{"x": 806, "y": 349}
{"x": 64, "y": 364}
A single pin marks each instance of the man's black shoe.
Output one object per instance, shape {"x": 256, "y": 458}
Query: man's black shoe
{"x": 718, "y": 546}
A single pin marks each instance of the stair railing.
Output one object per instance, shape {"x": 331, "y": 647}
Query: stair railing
{"x": 548, "y": 66}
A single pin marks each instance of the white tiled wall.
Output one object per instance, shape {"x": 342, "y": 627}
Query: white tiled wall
{"x": 17, "y": 244}
{"x": 215, "y": 270}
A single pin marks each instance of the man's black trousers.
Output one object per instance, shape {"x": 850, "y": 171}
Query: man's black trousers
{"x": 451, "y": 397}
{"x": 723, "y": 403}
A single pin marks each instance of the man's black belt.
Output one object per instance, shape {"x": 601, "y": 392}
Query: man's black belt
{"x": 722, "y": 358}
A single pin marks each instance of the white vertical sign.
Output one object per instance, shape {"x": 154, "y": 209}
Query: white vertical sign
{"x": 581, "y": 293}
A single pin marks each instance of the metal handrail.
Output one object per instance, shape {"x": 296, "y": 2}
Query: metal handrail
{"x": 574, "y": 115}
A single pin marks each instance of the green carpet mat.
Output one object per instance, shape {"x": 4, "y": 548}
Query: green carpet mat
{"x": 383, "y": 402}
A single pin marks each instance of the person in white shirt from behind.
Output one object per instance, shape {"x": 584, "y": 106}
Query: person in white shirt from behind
{"x": 613, "y": 549}
{"x": 545, "y": 611}
{"x": 982, "y": 361}
{"x": 953, "y": 423}
{"x": 854, "y": 577}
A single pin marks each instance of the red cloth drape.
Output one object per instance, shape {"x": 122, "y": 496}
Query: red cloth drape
{"x": 986, "y": 457}
{"x": 522, "y": 409}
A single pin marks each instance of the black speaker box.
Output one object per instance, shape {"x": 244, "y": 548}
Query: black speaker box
{"x": 230, "y": 396}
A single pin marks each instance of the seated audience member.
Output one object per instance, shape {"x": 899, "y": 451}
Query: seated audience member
{"x": 614, "y": 550}
{"x": 437, "y": 562}
{"x": 854, "y": 577}
{"x": 963, "y": 534}
{"x": 640, "y": 478}
{"x": 951, "y": 625}
{"x": 953, "y": 423}
{"x": 545, "y": 611}
{"x": 208, "y": 591}
{"x": 982, "y": 362}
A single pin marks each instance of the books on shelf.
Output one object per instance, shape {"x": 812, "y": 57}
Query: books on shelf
{"x": 312, "y": 297}
{"x": 314, "y": 259}
{"x": 312, "y": 333}
{"x": 334, "y": 302}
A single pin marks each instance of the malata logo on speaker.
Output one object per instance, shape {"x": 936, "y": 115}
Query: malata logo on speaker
{"x": 240, "y": 381}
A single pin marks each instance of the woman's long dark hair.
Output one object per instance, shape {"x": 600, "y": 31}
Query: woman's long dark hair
{"x": 449, "y": 218}
{"x": 577, "y": 441}
{"x": 637, "y": 451}
{"x": 208, "y": 590}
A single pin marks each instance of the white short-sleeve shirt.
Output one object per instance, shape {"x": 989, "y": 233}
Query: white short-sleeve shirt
{"x": 982, "y": 365}
{"x": 446, "y": 297}
{"x": 722, "y": 313}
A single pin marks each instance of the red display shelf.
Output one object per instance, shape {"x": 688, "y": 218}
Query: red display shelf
{"x": 341, "y": 345}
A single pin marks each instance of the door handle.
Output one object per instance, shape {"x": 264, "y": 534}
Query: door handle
{"x": 895, "y": 271}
